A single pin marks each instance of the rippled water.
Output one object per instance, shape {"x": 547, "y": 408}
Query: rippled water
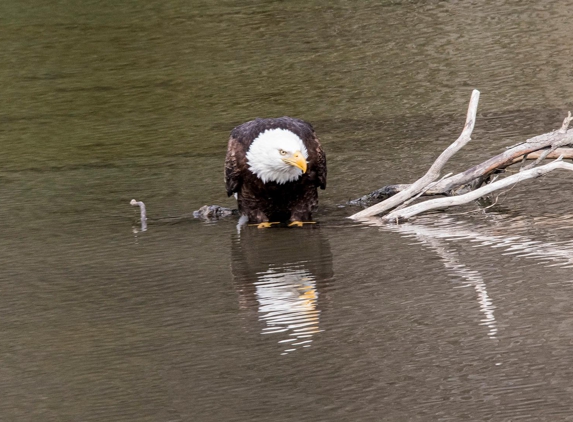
{"x": 458, "y": 315}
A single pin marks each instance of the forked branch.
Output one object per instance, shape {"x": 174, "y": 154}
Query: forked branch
{"x": 434, "y": 172}
{"x": 465, "y": 186}
{"x": 441, "y": 203}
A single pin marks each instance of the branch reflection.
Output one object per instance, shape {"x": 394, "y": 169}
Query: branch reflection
{"x": 473, "y": 277}
{"x": 447, "y": 230}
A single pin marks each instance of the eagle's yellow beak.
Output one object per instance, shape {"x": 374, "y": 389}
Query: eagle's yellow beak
{"x": 297, "y": 160}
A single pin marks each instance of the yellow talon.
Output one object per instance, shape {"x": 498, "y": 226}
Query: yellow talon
{"x": 264, "y": 224}
{"x": 300, "y": 223}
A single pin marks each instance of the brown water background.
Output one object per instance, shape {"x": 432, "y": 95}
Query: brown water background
{"x": 459, "y": 315}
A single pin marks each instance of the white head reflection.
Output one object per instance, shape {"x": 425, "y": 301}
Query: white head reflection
{"x": 287, "y": 298}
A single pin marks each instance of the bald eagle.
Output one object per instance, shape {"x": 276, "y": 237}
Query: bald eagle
{"x": 274, "y": 168}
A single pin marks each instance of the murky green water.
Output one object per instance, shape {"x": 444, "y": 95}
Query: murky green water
{"x": 456, "y": 316}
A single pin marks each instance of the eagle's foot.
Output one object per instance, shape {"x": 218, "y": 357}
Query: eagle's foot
{"x": 300, "y": 223}
{"x": 265, "y": 224}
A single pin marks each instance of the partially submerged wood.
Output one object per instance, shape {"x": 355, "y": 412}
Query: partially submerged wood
{"x": 142, "y": 213}
{"x": 390, "y": 190}
{"x": 434, "y": 172}
{"x": 213, "y": 212}
{"x": 465, "y": 186}
{"x": 441, "y": 203}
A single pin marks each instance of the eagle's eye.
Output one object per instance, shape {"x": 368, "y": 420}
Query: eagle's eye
{"x": 282, "y": 152}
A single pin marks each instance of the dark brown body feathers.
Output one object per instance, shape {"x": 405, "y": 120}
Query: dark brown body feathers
{"x": 261, "y": 202}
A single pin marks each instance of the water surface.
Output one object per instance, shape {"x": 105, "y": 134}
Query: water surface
{"x": 458, "y": 315}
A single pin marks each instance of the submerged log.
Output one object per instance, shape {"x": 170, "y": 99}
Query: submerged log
{"x": 213, "y": 212}
{"x": 466, "y": 186}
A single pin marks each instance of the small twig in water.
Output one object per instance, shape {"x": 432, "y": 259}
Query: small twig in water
{"x": 143, "y": 215}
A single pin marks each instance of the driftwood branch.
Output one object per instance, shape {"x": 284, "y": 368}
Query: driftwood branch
{"x": 434, "y": 172}
{"x": 440, "y": 203}
{"x": 464, "y": 187}
{"x": 566, "y": 153}
{"x": 554, "y": 145}
{"x": 515, "y": 154}
{"x": 440, "y": 188}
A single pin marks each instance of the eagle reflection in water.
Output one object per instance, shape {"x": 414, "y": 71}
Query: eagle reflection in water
{"x": 282, "y": 276}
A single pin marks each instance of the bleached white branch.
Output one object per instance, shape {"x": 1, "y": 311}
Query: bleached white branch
{"x": 434, "y": 172}
{"x": 143, "y": 214}
{"x": 440, "y": 203}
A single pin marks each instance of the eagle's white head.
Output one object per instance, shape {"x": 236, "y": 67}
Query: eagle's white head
{"x": 277, "y": 155}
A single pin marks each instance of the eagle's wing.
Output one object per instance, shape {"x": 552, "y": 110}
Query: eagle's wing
{"x": 320, "y": 164}
{"x": 233, "y": 177}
